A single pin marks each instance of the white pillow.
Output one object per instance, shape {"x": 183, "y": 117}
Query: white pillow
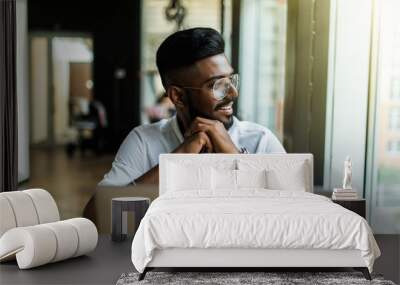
{"x": 223, "y": 179}
{"x": 181, "y": 177}
{"x": 293, "y": 178}
{"x": 251, "y": 179}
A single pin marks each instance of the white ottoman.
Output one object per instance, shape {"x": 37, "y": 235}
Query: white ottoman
{"x": 31, "y": 232}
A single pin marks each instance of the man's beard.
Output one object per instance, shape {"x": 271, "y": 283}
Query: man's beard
{"x": 193, "y": 113}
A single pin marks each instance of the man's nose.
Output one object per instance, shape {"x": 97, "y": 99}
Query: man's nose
{"x": 233, "y": 93}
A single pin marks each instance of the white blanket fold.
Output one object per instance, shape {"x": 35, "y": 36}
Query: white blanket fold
{"x": 250, "y": 218}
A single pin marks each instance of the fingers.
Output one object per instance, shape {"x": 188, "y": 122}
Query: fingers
{"x": 196, "y": 143}
{"x": 208, "y": 143}
{"x": 204, "y": 141}
{"x": 200, "y": 128}
{"x": 211, "y": 134}
{"x": 205, "y": 125}
{"x": 216, "y": 133}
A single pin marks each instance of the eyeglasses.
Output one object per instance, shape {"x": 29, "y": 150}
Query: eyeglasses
{"x": 221, "y": 86}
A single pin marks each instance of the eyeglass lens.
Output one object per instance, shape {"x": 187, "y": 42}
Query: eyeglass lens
{"x": 223, "y": 85}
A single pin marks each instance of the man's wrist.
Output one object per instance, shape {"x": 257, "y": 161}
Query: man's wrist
{"x": 178, "y": 150}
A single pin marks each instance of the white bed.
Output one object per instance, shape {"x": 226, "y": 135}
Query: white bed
{"x": 238, "y": 211}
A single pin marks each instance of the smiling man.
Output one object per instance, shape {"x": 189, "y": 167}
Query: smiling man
{"x": 202, "y": 85}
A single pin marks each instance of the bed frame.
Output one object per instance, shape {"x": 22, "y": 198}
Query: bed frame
{"x": 242, "y": 259}
{"x": 246, "y": 259}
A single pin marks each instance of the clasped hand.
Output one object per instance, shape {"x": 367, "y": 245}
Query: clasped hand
{"x": 205, "y": 135}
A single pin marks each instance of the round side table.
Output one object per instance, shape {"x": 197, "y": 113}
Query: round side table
{"x": 119, "y": 211}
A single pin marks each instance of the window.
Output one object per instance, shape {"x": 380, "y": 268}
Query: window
{"x": 262, "y": 63}
{"x": 393, "y": 147}
{"x": 383, "y": 165}
{"x": 394, "y": 119}
{"x": 395, "y": 95}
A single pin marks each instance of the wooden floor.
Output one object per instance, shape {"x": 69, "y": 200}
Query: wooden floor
{"x": 72, "y": 182}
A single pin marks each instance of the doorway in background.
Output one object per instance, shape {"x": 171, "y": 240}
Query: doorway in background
{"x": 61, "y": 84}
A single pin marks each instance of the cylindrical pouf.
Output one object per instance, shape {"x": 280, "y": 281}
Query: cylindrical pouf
{"x": 45, "y": 205}
{"x": 7, "y": 218}
{"x": 34, "y": 245}
{"x": 67, "y": 240}
{"x": 87, "y": 235}
{"x": 41, "y": 244}
{"x": 23, "y": 208}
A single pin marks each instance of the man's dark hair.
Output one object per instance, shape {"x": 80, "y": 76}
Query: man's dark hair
{"x": 184, "y": 48}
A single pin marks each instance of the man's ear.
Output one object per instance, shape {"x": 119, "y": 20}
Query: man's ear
{"x": 176, "y": 94}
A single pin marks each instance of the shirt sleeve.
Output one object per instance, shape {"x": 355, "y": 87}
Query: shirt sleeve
{"x": 128, "y": 164}
{"x": 269, "y": 143}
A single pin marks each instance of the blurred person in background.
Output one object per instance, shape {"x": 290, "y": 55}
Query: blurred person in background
{"x": 163, "y": 109}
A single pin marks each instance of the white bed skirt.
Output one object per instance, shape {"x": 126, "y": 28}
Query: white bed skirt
{"x": 193, "y": 257}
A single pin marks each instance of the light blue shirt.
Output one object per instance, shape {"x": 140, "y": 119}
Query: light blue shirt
{"x": 140, "y": 150}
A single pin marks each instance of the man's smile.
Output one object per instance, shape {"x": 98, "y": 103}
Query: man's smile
{"x": 226, "y": 109}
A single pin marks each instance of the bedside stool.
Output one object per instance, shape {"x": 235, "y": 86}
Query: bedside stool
{"x": 119, "y": 208}
{"x": 358, "y": 206}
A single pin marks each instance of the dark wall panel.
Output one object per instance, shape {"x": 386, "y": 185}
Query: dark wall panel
{"x": 115, "y": 27}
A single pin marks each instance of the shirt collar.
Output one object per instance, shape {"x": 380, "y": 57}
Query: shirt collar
{"x": 234, "y": 125}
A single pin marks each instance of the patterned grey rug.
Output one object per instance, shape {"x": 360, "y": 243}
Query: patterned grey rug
{"x": 228, "y": 278}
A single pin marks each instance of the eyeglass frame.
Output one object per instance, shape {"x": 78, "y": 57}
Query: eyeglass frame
{"x": 231, "y": 85}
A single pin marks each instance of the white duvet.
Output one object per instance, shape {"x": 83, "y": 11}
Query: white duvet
{"x": 250, "y": 218}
